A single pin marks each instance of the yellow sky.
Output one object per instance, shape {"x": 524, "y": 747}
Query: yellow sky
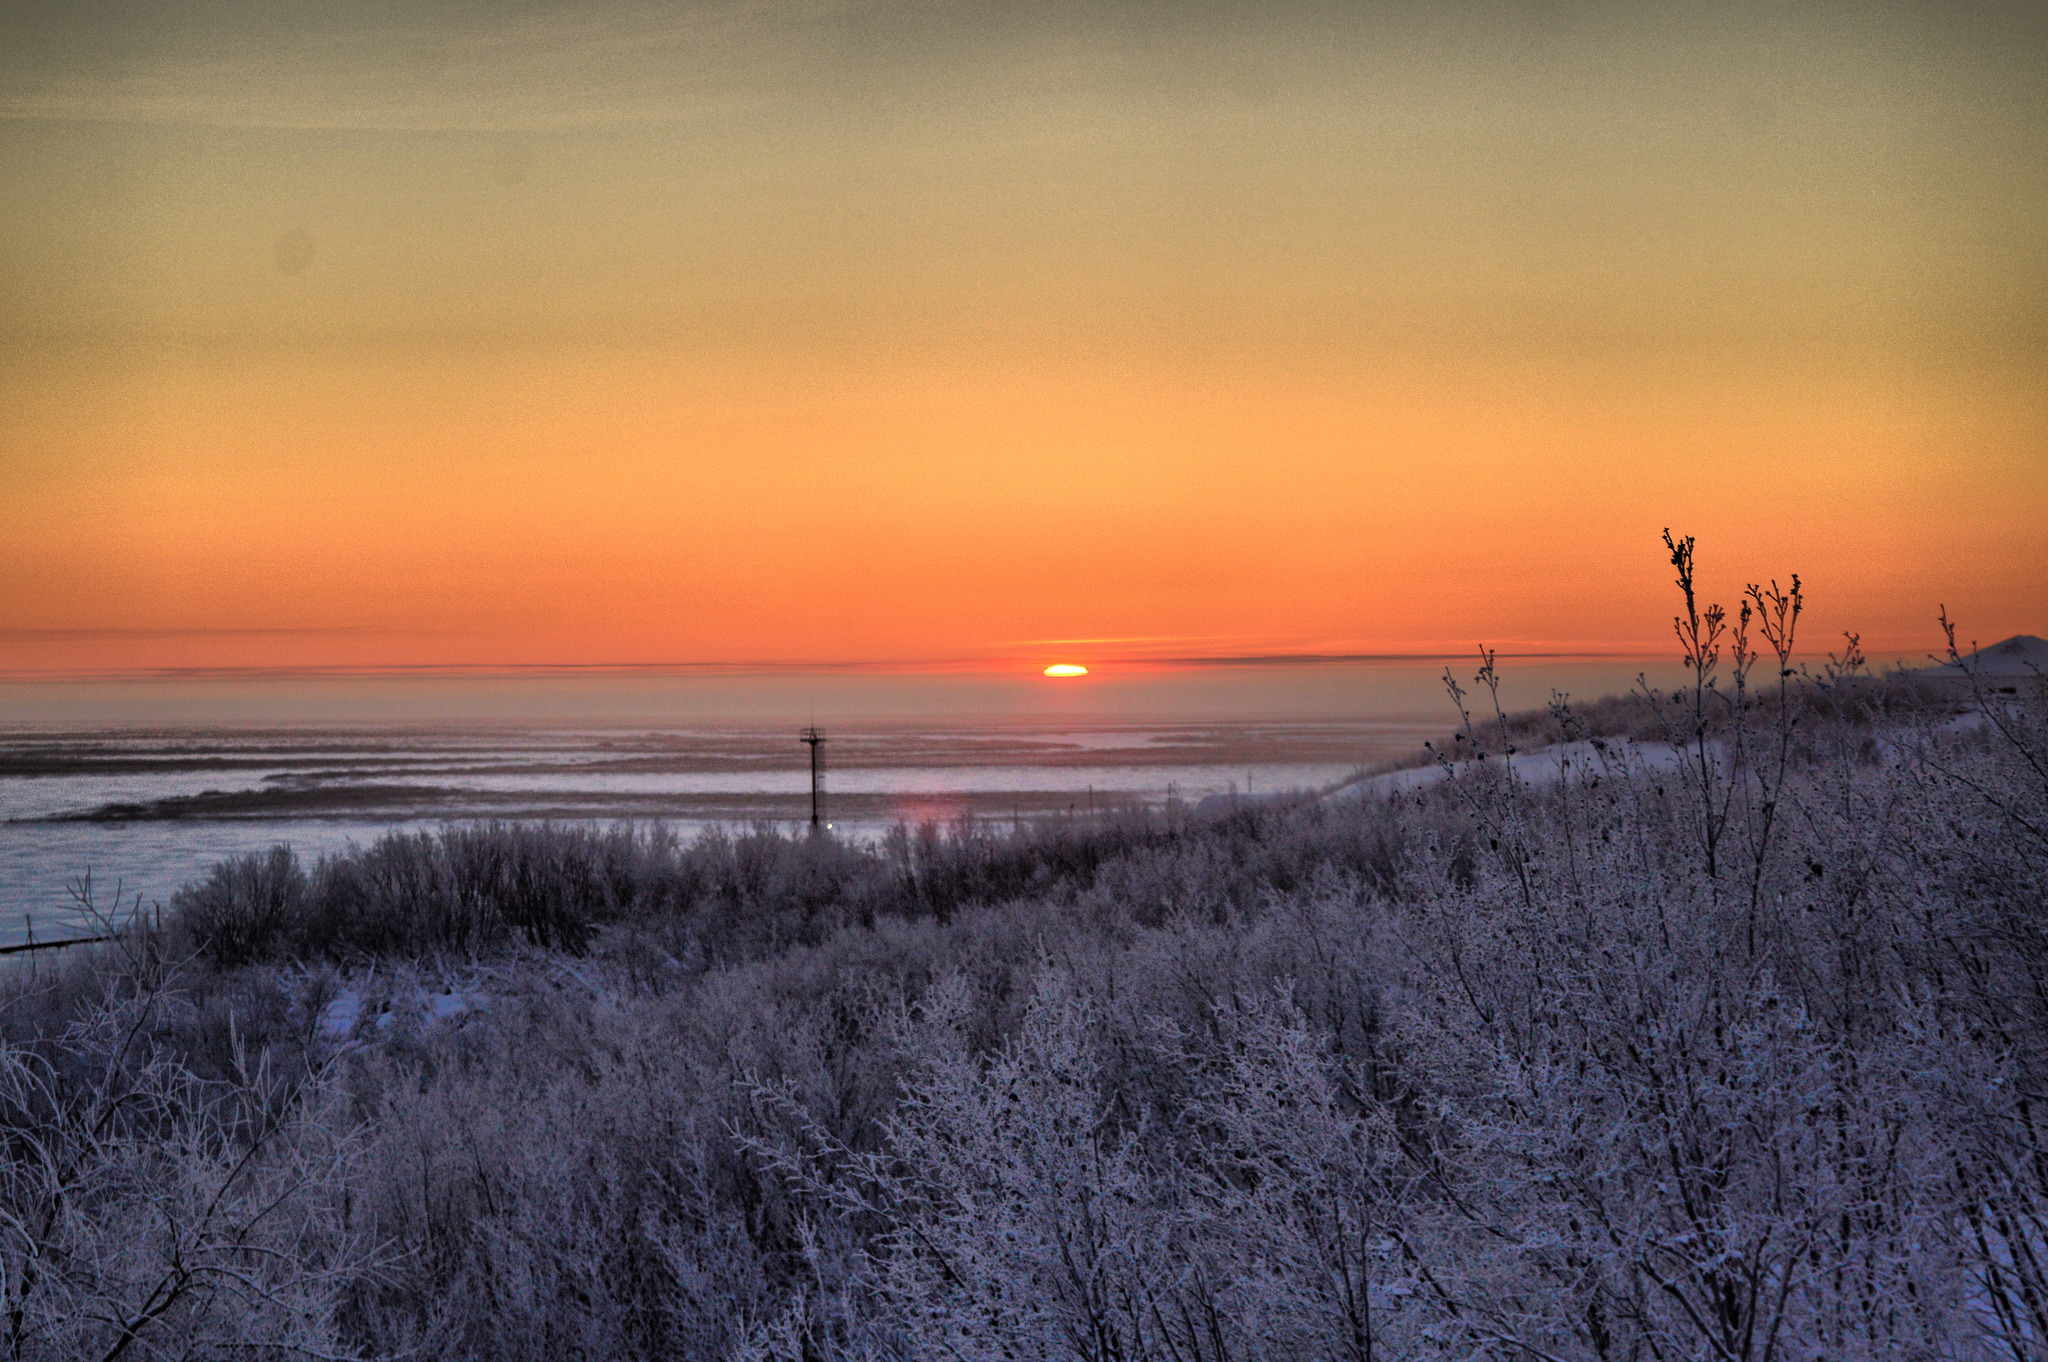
{"x": 495, "y": 336}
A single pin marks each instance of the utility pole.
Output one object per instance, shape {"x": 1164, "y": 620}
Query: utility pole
{"x": 815, "y": 740}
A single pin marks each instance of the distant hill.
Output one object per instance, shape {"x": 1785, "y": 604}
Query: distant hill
{"x": 2020, "y": 655}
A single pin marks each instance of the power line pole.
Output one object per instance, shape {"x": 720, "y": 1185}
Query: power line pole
{"x": 815, "y": 740}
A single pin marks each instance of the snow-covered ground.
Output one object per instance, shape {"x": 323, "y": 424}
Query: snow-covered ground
{"x": 374, "y": 1005}
{"x": 1542, "y": 766}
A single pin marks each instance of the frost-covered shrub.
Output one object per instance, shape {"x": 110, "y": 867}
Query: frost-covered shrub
{"x": 1012, "y": 1213}
{"x": 1017, "y": 1210}
{"x": 246, "y": 908}
{"x": 146, "y": 1212}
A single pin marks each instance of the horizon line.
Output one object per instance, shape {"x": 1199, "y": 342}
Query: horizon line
{"x": 882, "y": 667}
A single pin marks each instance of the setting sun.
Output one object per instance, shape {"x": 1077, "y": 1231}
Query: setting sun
{"x": 1065, "y": 669}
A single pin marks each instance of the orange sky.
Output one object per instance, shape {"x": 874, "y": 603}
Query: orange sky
{"x": 494, "y": 337}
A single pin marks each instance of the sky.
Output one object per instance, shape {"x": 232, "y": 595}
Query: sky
{"x": 957, "y": 339}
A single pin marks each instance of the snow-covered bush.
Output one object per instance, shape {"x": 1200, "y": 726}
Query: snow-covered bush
{"x": 147, "y": 1212}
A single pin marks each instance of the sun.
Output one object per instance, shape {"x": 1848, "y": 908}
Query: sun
{"x": 1066, "y": 669}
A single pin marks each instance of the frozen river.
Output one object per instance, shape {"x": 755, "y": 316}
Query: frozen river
{"x": 152, "y": 809}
